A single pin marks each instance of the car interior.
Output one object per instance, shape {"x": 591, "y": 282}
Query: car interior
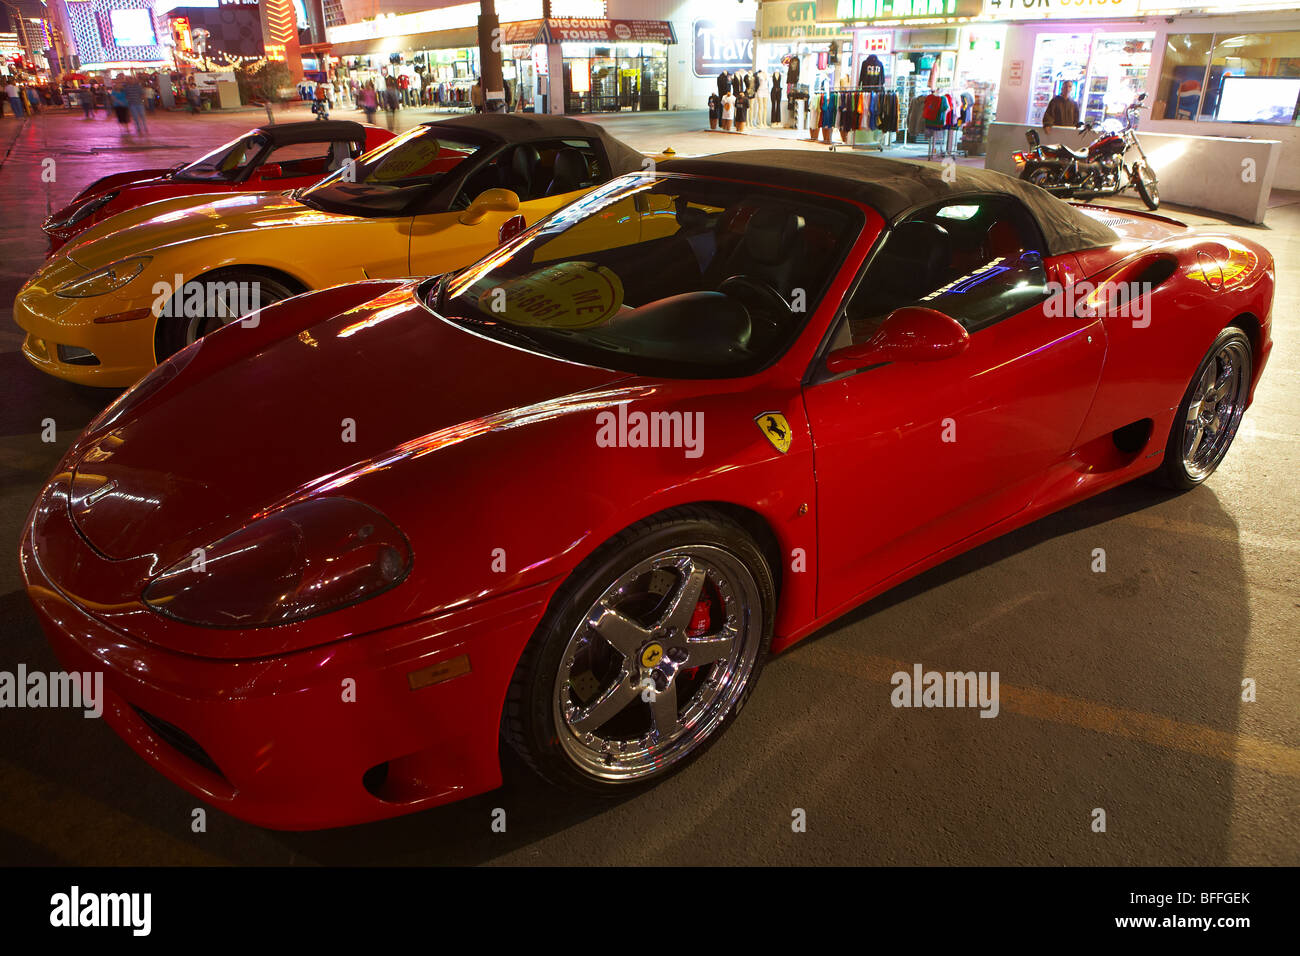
{"x": 309, "y": 159}
{"x": 714, "y": 279}
{"x": 536, "y": 170}
{"x": 978, "y": 260}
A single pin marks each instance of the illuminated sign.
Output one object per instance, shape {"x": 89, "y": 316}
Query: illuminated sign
{"x": 857, "y": 10}
{"x": 723, "y": 45}
{"x": 1060, "y": 9}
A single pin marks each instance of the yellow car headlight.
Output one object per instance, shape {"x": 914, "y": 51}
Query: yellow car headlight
{"x": 102, "y": 281}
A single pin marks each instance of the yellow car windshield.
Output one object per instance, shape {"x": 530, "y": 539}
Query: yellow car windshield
{"x": 386, "y": 180}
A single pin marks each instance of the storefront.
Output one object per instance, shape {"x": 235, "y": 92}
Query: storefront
{"x": 1221, "y": 71}
{"x": 608, "y": 65}
{"x": 604, "y": 64}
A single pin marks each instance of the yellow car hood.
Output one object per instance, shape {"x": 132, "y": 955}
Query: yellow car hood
{"x": 169, "y": 223}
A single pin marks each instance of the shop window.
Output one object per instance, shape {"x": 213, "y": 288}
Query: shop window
{"x": 1231, "y": 78}
{"x": 1182, "y": 75}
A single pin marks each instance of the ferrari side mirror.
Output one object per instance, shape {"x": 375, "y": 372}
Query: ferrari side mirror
{"x": 490, "y": 200}
{"x": 269, "y": 171}
{"x": 909, "y": 334}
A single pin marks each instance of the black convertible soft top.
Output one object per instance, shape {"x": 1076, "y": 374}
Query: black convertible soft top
{"x": 314, "y": 131}
{"x": 894, "y": 187}
{"x": 522, "y": 127}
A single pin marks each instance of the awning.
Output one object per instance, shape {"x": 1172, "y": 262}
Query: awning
{"x": 588, "y": 30}
{"x": 555, "y": 30}
{"x": 460, "y": 38}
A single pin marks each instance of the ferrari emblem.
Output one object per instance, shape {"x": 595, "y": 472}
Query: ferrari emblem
{"x": 651, "y": 655}
{"x": 775, "y": 429}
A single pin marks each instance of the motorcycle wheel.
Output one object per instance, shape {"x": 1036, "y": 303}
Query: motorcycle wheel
{"x": 1144, "y": 180}
{"x": 1039, "y": 177}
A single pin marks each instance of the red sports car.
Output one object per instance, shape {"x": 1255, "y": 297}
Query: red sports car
{"x": 277, "y": 157}
{"x": 574, "y": 495}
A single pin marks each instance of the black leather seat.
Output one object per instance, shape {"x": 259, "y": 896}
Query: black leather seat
{"x": 915, "y": 260}
{"x": 770, "y": 249}
{"x": 523, "y": 169}
{"x": 1066, "y": 153}
{"x": 570, "y": 172}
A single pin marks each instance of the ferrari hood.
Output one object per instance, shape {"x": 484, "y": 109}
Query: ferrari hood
{"x": 159, "y": 225}
{"x": 234, "y": 436}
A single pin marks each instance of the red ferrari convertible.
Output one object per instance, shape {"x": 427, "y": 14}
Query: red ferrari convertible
{"x": 277, "y": 157}
{"x": 573, "y": 496}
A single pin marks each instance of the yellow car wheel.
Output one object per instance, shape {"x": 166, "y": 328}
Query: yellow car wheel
{"x": 208, "y": 302}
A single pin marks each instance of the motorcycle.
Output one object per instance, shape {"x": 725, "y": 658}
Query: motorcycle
{"x": 1097, "y": 170}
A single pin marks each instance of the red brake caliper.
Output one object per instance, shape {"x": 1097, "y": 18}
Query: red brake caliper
{"x": 700, "y": 621}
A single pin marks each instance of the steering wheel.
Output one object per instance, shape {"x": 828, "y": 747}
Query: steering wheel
{"x": 744, "y": 287}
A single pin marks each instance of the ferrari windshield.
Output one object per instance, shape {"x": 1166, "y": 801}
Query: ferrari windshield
{"x": 386, "y": 180}
{"x": 658, "y": 274}
{"x": 225, "y": 163}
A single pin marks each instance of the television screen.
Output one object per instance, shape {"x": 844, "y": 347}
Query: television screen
{"x": 132, "y": 28}
{"x": 1258, "y": 99}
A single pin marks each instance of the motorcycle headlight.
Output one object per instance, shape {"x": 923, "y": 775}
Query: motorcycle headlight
{"x": 88, "y": 208}
{"x": 304, "y": 560}
{"x": 102, "y": 281}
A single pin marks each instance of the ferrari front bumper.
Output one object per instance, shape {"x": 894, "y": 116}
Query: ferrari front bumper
{"x": 355, "y": 730}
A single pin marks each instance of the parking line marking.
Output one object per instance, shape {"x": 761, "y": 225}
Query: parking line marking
{"x": 1155, "y": 729}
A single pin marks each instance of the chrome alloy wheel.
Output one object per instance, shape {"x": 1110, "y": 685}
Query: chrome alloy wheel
{"x": 657, "y": 662}
{"x": 1215, "y": 409}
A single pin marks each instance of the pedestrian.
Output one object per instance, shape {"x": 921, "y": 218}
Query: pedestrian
{"x": 1062, "y": 110}
{"x": 476, "y": 95}
{"x": 34, "y": 99}
{"x": 320, "y": 104}
{"x": 192, "y": 98}
{"x": 134, "y": 92}
{"x": 120, "y": 106}
{"x": 390, "y": 101}
{"x": 369, "y": 100}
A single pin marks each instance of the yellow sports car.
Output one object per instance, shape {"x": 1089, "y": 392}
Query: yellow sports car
{"x": 145, "y": 283}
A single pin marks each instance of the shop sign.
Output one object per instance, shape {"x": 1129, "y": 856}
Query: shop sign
{"x": 796, "y": 20}
{"x": 1016, "y": 73}
{"x": 881, "y": 44}
{"x": 592, "y": 30}
{"x": 1061, "y": 9}
{"x": 866, "y": 10}
{"x": 723, "y": 45}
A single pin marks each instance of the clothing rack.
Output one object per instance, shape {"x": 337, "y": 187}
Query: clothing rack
{"x": 854, "y": 109}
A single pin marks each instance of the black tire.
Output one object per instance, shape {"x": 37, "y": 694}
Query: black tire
{"x": 1174, "y": 472}
{"x": 529, "y": 722}
{"x": 175, "y": 330}
{"x": 1148, "y": 189}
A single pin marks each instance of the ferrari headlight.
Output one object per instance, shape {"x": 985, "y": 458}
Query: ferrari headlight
{"x": 103, "y": 281}
{"x": 296, "y": 563}
{"x": 89, "y": 207}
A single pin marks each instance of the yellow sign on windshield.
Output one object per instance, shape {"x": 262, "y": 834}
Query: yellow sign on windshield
{"x": 567, "y": 295}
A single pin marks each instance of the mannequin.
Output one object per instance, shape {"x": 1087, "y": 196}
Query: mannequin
{"x": 736, "y": 88}
{"x": 724, "y": 83}
{"x": 776, "y": 97}
{"x": 762, "y": 106}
